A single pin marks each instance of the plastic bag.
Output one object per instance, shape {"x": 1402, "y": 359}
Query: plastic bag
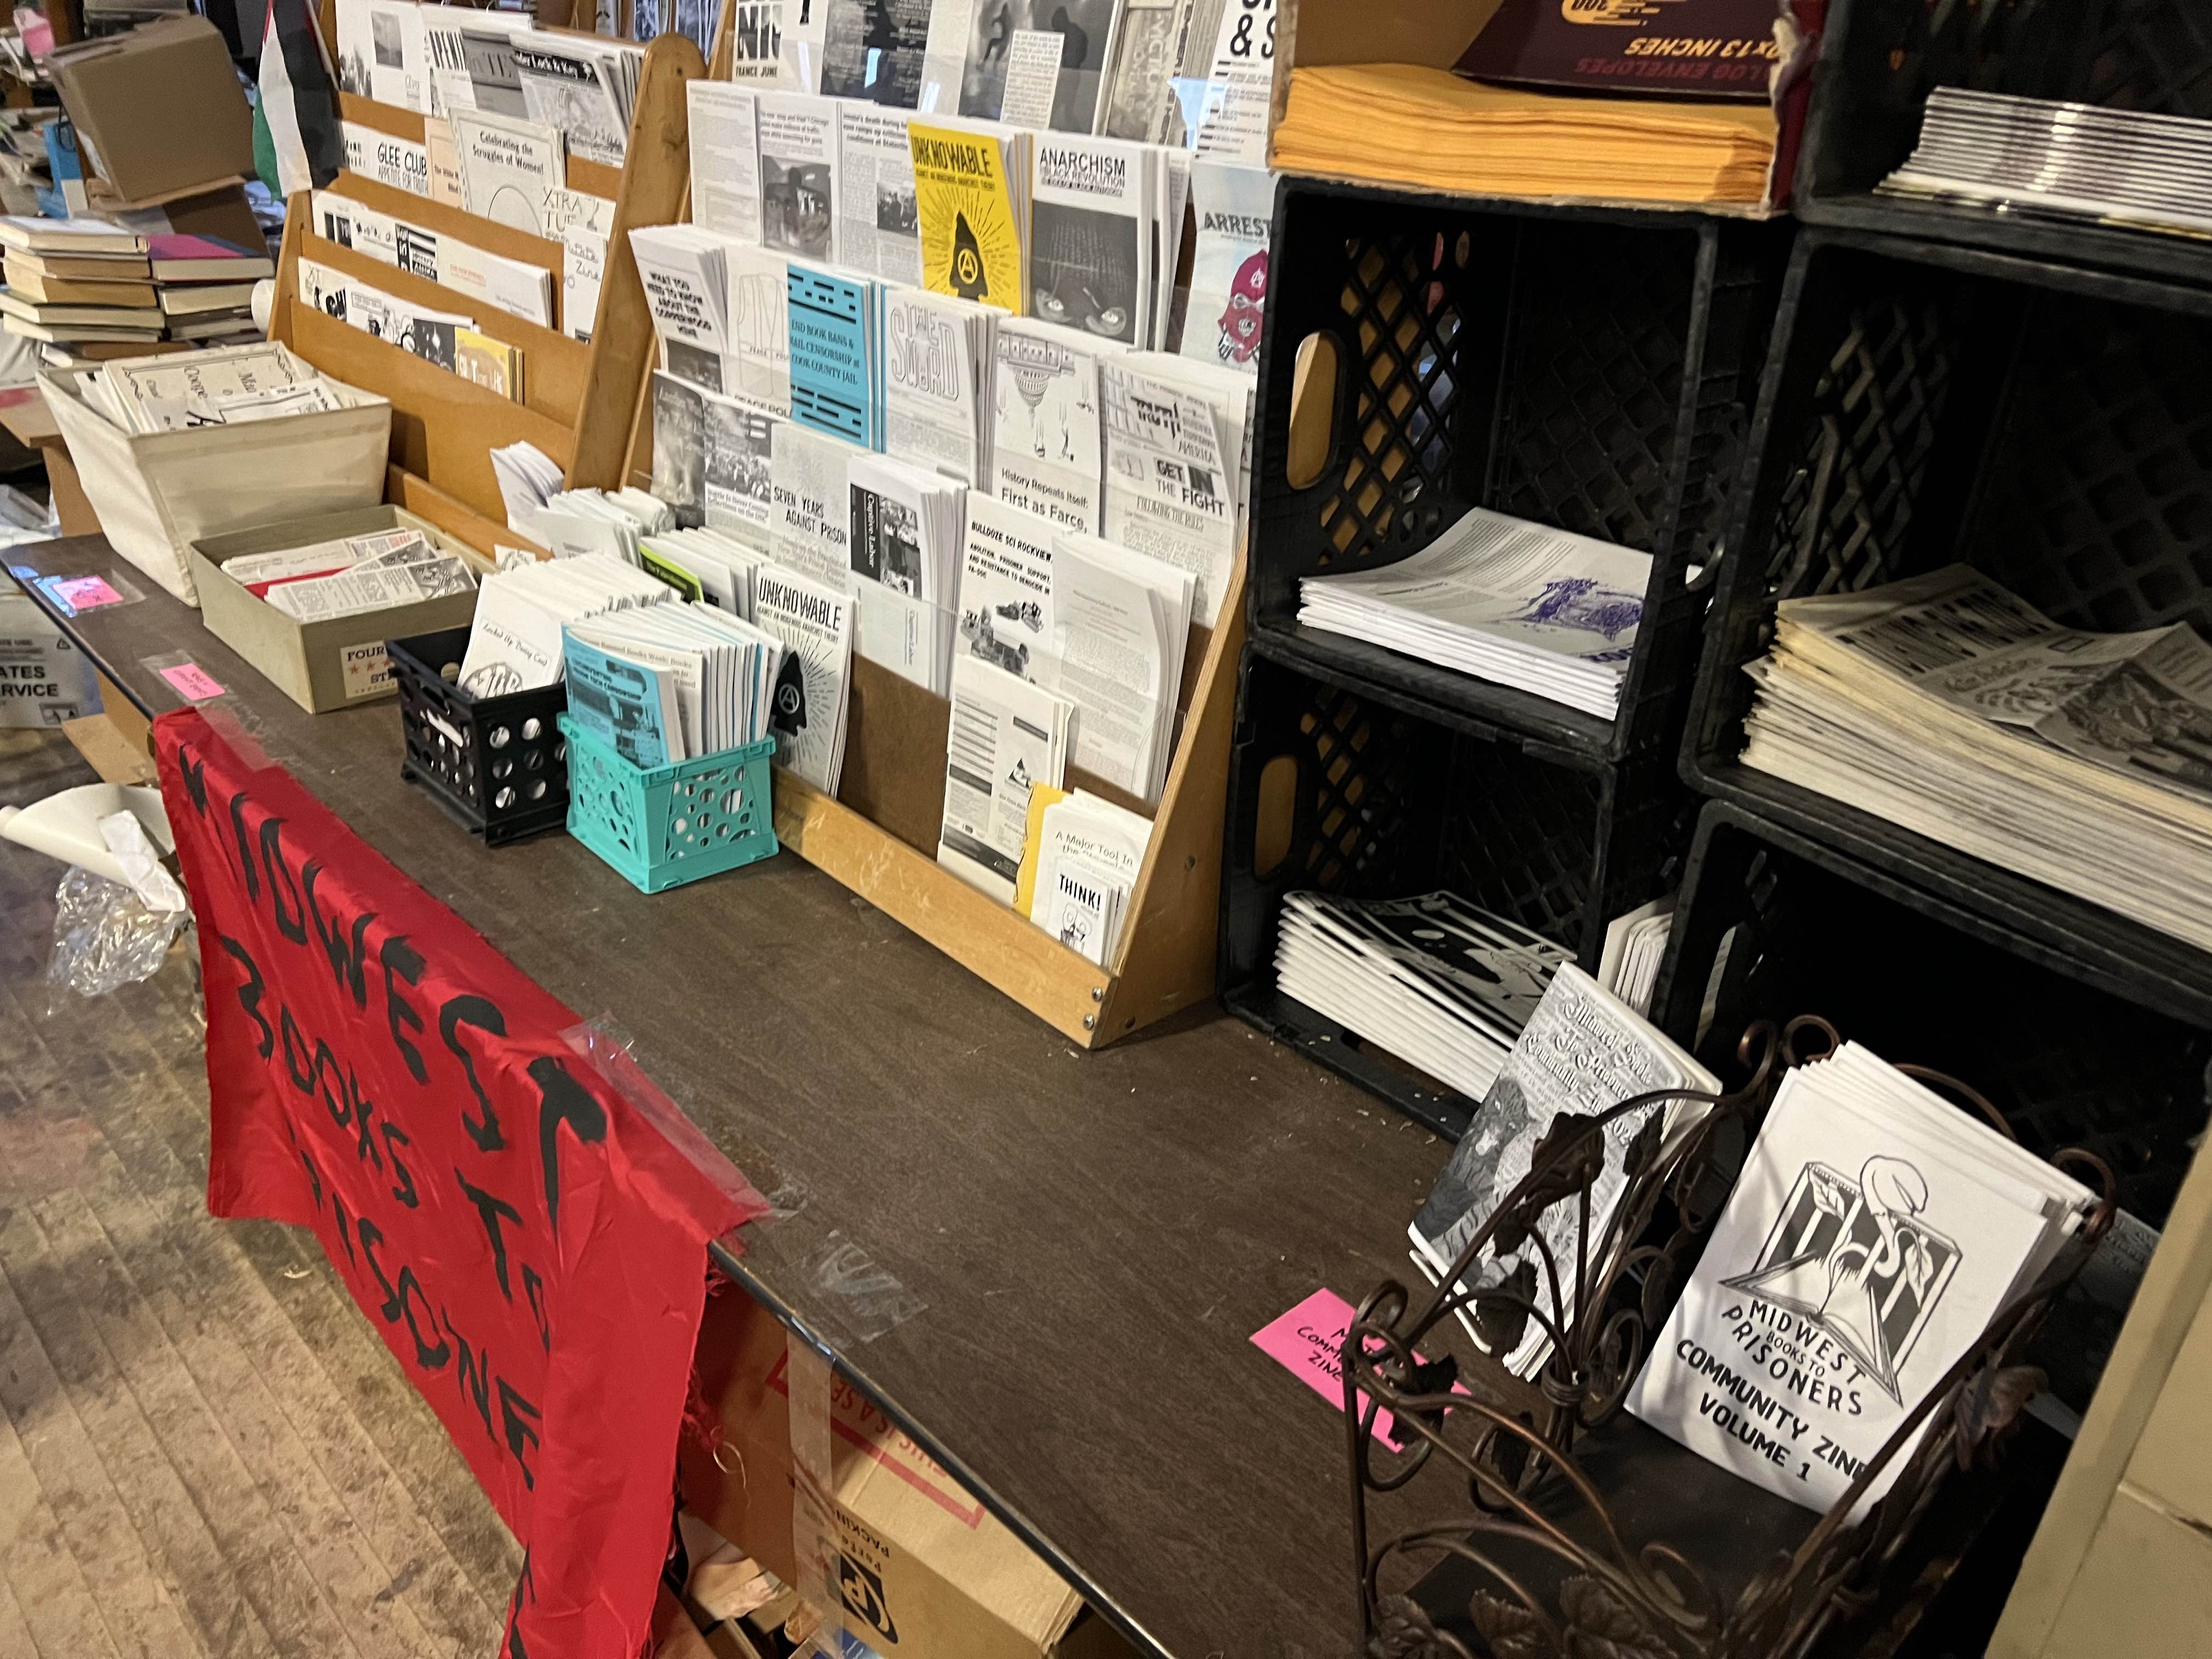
{"x": 105, "y": 935}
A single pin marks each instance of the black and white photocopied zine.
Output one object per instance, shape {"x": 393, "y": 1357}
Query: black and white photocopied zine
{"x": 1047, "y": 436}
{"x": 726, "y": 193}
{"x": 1006, "y": 735}
{"x": 937, "y": 354}
{"x": 815, "y": 623}
{"x": 1005, "y": 590}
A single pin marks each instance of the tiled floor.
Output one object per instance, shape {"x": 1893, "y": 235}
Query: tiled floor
{"x": 203, "y": 1448}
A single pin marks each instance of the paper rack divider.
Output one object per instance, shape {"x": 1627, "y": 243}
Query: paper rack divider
{"x": 896, "y": 735}
{"x": 592, "y": 178}
{"x": 443, "y": 427}
{"x": 554, "y": 368}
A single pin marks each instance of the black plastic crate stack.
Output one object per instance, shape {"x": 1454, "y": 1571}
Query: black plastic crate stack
{"x": 1589, "y": 368}
{"x": 1938, "y": 399}
{"x": 496, "y": 764}
{"x": 1881, "y": 59}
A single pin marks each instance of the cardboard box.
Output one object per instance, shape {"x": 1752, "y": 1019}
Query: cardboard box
{"x": 157, "y": 108}
{"x": 924, "y": 1571}
{"x": 339, "y": 662}
{"x": 43, "y": 679}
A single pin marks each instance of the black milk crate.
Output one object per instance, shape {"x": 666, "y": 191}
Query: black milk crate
{"x": 1589, "y": 368}
{"x": 497, "y": 765}
{"x": 1880, "y": 60}
{"x": 1360, "y": 793}
{"x": 1772, "y": 923}
{"x": 1929, "y": 402}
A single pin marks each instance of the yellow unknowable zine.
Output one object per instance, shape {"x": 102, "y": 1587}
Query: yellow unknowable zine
{"x": 971, "y": 232}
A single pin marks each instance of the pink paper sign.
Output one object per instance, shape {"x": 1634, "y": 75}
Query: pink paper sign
{"x": 191, "y": 682}
{"x": 1306, "y": 1342}
{"x": 83, "y": 593}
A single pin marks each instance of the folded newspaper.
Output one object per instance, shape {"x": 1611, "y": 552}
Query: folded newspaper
{"x": 1445, "y": 987}
{"x": 1948, "y": 704}
{"x": 1541, "y": 610}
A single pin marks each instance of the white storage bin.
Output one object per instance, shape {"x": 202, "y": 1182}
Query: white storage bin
{"x": 157, "y": 493}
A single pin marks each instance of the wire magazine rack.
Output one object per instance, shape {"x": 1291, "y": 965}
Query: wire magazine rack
{"x": 1542, "y": 1557}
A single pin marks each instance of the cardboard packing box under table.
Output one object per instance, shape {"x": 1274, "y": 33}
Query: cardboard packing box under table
{"x": 923, "y": 1570}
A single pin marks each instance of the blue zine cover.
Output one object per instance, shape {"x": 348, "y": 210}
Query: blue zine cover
{"x": 617, "y": 701}
{"x": 832, "y": 371}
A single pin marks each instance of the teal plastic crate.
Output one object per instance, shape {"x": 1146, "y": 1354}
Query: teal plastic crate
{"x": 673, "y": 823}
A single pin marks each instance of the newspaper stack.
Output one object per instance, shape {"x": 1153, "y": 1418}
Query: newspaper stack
{"x": 223, "y": 386}
{"x": 2065, "y": 161}
{"x": 1876, "y": 1231}
{"x": 1584, "y": 1053}
{"x": 1541, "y": 610}
{"x": 1443, "y": 986}
{"x": 515, "y": 640}
{"x": 1949, "y": 705}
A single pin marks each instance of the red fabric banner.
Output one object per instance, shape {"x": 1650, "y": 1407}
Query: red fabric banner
{"x": 529, "y": 1238}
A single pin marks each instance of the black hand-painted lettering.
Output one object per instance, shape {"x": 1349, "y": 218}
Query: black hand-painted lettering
{"x": 191, "y": 767}
{"x": 337, "y": 1097}
{"x": 411, "y": 1292}
{"x": 299, "y": 1061}
{"x": 562, "y": 1099}
{"x": 519, "y": 1417}
{"x": 249, "y": 994}
{"x": 371, "y": 1237}
{"x": 314, "y": 1178}
{"x": 400, "y": 960}
{"x": 347, "y": 956}
{"x": 404, "y": 1190}
{"x": 245, "y": 848}
{"x": 293, "y": 927}
{"x": 491, "y": 1208}
{"x": 524, "y": 1586}
{"x": 345, "y": 1233}
{"x": 365, "y": 1148}
{"x": 471, "y": 1372}
{"x": 533, "y": 1291}
{"x": 466, "y": 1009}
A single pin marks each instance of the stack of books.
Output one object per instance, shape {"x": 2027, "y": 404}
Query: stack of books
{"x": 95, "y": 291}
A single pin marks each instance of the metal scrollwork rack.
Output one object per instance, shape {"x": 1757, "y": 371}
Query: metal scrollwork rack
{"x": 1540, "y": 1558}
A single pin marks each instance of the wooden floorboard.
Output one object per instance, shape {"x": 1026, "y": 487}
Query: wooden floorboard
{"x": 205, "y": 1448}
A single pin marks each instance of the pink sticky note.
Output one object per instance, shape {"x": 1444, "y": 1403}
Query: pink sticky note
{"x": 1306, "y": 1341}
{"x": 191, "y": 682}
{"x": 85, "y": 593}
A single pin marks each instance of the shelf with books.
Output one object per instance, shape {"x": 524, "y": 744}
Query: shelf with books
{"x": 1929, "y": 405}
{"x": 1770, "y": 919}
{"x": 1881, "y": 59}
{"x": 1590, "y": 370}
{"x": 578, "y": 397}
{"x": 1367, "y": 797}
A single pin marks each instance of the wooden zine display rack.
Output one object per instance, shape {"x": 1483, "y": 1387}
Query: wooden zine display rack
{"x": 878, "y": 836}
{"x": 578, "y": 397}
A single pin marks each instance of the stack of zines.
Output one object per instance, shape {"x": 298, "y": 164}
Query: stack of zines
{"x": 1541, "y": 610}
{"x": 97, "y": 291}
{"x": 352, "y": 574}
{"x": 1635, "y": 946}
{"x": 226, "y": 386}
{"x": 1583, "y": 1052}
{"x": 1443, "y": 986}
{"x": 1949, "y": 705}
{"x": 664, "y": 683}
{"x": 1876, "y": 1231}
{"x": 2064, "y": 161}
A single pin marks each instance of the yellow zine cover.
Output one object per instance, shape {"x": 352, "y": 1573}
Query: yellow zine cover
{"x": 971, "y": 242}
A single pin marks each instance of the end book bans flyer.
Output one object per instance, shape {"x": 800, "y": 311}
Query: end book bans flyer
{"x": 527, "y": 1238}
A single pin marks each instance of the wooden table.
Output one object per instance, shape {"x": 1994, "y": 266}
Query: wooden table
{"x": 1094, "y": 1237}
